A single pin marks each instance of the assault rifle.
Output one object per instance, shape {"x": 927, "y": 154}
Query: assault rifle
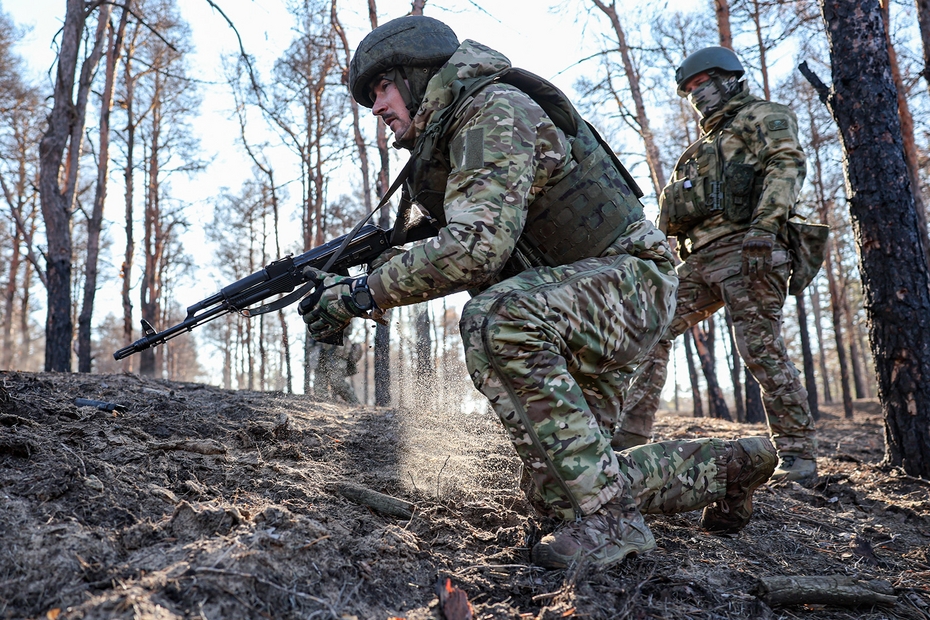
{"x": 281, "y": 277}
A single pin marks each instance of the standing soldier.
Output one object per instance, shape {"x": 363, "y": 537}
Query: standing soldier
{"x": 336, "y": 365}
{"x": 571, "y": 286}
{"x": 728, "y": 204}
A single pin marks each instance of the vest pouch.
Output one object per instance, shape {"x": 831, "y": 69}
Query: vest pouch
{"x": 738, "y": 204}
{"x": 807, "y": 244}
{"x": 583, "y": 214}
{"x": 685, "y": 204}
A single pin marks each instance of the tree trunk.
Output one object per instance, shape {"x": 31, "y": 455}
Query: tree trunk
{"x": 9, "y": 299}
{"x": 722, "y": 10}
{"x": 923, "y": 18}
{"x": 735, "y": 366}
{"x": 855, "y": 359}
{"x": 836, "y": 307}
{"x": 907, "y": 134}
{"x": 810, "y": 380}
{"x": 823, "y": 208}
{"x": 149, "y": 293}
{"x": 865, "y": 358}
{"x": 57, "y": 201}
{"x": 382, "y": 332}
{"x": 886, "y": 226}
{"x": 717, "y": 404}
{"x": 95, "y": 224}
{"x": 128, "y": 193}
{"x": 698, "y": 406}
{"x": 755, "y": 14}
{"x": 755, "y": 411}
{"x": 822, "y": 355}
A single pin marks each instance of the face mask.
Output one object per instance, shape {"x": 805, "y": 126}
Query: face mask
{"x": 711, "y": 96}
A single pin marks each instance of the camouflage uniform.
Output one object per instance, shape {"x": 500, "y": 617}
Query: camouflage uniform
{"x": 336, "y": 364}
{"x": 550, "y": 347}
{"x": 750, "y": 143}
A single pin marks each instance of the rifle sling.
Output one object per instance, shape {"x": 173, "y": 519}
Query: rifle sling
{"x": 384, "y": 200}
{"x": 309, "y": 286}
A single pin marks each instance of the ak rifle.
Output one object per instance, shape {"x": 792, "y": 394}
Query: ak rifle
{"x": 280, "y": 277}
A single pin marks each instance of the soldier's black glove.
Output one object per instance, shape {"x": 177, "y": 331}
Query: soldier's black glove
{"x": 336, "y": 300}
{"x": 757, "y": 253}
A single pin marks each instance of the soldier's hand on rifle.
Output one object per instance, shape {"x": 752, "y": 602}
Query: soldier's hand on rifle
{"x": 757, "y": 253}
{"x": 385, "y": 257}
{"x": 336, "y": 300}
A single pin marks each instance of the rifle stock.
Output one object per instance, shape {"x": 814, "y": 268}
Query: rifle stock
{"x": 280, "y": 277}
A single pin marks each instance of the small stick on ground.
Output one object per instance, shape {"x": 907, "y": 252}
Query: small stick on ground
{"x": 825, "y": 590}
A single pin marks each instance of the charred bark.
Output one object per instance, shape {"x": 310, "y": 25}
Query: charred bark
{"x": 881, "y": 202}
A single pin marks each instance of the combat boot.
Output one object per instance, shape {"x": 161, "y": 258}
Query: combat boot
{"x": 796, "y": 467}
{"x": 624, "y": 439}
{"x": 749, "y": 463}
{"x": 605, "y": 537}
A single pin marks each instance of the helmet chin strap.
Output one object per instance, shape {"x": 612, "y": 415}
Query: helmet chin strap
{"x": 399, "y": 78}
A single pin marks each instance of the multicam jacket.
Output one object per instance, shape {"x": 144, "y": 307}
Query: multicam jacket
{"x": 745, "y": 172}
{"x": 518, "y": 152}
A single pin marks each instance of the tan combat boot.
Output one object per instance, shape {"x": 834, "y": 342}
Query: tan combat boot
{"x": 750, "y": 462}
{"x": 605, "y": 537}
{"x": 796, "y": 467}
{"x": 625, "y": 439}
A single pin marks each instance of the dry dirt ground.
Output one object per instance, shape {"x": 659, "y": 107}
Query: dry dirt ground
{"x": 195, "y": 502}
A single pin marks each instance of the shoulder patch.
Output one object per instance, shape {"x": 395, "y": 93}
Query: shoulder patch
{"x": 776, "y": 124}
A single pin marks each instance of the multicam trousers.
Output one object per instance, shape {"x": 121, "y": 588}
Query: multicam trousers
{"x": 708, "y": 280}
{"x": 552, "y": 350}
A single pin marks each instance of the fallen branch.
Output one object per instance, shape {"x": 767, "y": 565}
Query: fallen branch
{"x": 825, "y": 590}
{"x": 385, "y": 504}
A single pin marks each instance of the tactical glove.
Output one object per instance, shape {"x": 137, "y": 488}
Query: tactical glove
{"x": 757, "y": 253}
{"x": 384, "y": 257}
{"x": 336, "y": 300}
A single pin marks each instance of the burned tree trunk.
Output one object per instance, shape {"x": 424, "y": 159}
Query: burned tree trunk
{"x": 882, "y": 207}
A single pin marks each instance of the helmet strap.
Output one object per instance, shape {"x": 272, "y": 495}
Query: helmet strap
{"x": 398, "y": 76}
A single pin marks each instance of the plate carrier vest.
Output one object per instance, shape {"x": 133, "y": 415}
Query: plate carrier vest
{"x": 578, "y": 217}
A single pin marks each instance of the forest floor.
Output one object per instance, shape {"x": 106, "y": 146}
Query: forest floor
{"x": 195, "y": 502}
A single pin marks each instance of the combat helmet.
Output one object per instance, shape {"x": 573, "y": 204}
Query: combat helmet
{"x": 415, "y": 45}
{"x": 707, "y": 59}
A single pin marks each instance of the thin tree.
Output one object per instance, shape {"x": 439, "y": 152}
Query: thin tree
{"x": 821, "y": 353}
{"x": 722, "y": 11}
{"x": 810, "y": 381}
{"x": 697, "y": 405}
{"x": 95, "y": 223}
{"x": 923, "y": 19}
{"x": 735, "y": 367}
{"x": 382, "y": 353}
